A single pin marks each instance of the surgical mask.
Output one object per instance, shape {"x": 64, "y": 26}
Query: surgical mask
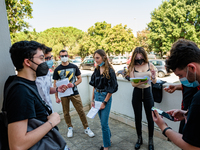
{"x": 49, "y": 63}
{"x": 102, "y": 63}
{"x": 185, "y": 81}
{"x": 64, "y": 59}
{"x": 139, "y": 61}
{"x": 41, "y": 70}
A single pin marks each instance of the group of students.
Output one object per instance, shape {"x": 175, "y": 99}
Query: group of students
{"x": 28, "y": 58}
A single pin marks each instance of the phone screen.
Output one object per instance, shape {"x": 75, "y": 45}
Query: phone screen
{"x": 162, "y": 113}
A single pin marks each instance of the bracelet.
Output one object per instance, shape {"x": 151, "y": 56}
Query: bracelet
{"x": 105, "y": 103}
{"x": 56, "y": 89}
{"x": 165, "y": 131}
{"x": 50, "y": 124}
{"x": 92, "y": 101}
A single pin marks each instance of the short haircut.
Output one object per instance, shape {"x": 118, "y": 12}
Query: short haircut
{"x": 47, "y": 50}
{"x": 182, "y": 53}
{"x": 22, "y": 50}
{"x": 62, "y": 51}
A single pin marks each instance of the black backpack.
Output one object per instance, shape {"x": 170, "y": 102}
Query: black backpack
{"x": 3, "y": 115}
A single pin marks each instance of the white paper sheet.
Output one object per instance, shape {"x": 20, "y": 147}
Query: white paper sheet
{"x": 93, "y": 111}
{"x": 68, "y": 92}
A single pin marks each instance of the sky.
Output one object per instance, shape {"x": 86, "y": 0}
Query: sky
{"x": 82, "y": 14}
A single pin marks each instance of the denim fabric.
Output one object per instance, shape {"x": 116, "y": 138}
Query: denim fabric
{"x": 104, "y": 116}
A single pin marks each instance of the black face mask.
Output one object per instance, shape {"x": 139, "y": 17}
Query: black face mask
{"x": 140, "y": 61}
{"x": 42, "y": 69}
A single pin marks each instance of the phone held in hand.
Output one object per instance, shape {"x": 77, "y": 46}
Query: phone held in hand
{"x": 164, "y": 114}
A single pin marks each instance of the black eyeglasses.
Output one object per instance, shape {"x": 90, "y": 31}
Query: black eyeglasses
{"x": 48, "y": 58}
{"x": 63, "y": 55}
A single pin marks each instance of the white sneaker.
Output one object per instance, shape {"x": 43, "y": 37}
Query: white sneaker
{"x": 70, "y": 132}
{"x": 89, "y": 132}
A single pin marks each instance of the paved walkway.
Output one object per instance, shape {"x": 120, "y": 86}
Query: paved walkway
{"x": 123, "y": 136}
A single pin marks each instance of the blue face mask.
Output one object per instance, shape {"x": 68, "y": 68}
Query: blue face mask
{"x": 49, "y": 63}
{"x": 102, "y": 63}
{"x": 185, "y": 82}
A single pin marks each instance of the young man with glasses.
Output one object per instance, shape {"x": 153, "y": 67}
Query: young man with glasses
{"x": 21, "y": 104}
{"x": 44, "y": 83}
{"x": 70, "y": 71}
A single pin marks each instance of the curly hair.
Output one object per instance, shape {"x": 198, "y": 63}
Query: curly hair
{"x": 182, "y": 53}
{"x": 105, "y": 59}
{"x": 138, "y": 50}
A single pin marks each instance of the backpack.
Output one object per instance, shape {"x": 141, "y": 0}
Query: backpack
{"x": 3, "y": 115}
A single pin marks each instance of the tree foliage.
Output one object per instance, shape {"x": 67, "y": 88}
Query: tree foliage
{"x": 114, "y": 40}
{"x": 142, "y": 39}
{"x": 172, "y": 20}
{"x": 17, "y": 11}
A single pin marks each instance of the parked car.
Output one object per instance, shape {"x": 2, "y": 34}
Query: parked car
{"x": 119, "y": 60}
{"x": 129, "y": 60}
{"x": 88, "y": 64}
{"x": 78, "y": 58}
{"x": 151, "y": 56}
{"x": 161, "y": 69}
{"x": 110, "y": 58}
{"x": 88, "y": 57}
{"x": 77, "y": 62}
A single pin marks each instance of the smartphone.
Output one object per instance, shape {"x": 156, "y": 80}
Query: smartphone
{"x": 164, "y": 114}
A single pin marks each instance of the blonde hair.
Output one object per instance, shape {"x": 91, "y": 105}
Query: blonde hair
{"x": 107, "y": 64}
{"x": 138, "y": 50}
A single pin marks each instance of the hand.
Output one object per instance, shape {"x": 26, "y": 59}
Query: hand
{"x": 54, "y": 118}
{"x": 92, "y": 104}
{"x": 158, "y": 120}
{"x": 153, "y": 74}
{"x": 177, "y": 114}
{"x": 102, "y": 106}
{"x": 170, "y": 89}
{"x": 62, "y": 88}
{"x": 140, "y": 82}
{"x": 70, "y": 85}
{"x": 58, "y": 100}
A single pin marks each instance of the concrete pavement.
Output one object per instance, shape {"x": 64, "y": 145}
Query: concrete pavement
{"x": 123, "y": 136}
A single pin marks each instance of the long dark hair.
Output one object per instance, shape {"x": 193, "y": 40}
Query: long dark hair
{"x": 138, "y": 50}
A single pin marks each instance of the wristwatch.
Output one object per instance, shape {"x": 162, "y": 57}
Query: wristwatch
{"x": 104, "y": 102}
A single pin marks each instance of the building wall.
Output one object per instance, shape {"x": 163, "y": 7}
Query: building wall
{"x": 6, "y": 66}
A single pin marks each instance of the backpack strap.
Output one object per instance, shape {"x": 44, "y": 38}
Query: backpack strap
{"x": 12, "y": 84}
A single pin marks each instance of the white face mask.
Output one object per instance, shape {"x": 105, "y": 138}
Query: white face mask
{"x": 64, "y": 59}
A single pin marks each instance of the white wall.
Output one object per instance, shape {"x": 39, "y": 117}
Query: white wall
{"x": 6, "y": 66}
{"x": 122, "y": 100}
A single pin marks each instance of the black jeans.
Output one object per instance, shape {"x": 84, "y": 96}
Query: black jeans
{"x": 145, "y": 96}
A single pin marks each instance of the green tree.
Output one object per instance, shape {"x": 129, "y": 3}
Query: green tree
{"x": 142, "y": 39}
{"x": 114, "y": 40}
{"x": 61, "y": 38}
{"x": 172, "y": 20}
{"x": 17, "y": 11}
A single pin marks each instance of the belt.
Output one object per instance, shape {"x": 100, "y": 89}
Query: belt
{"x": 100, "y": 90}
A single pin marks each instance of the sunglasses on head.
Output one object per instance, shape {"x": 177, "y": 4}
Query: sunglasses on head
{"x": 63, "y": 55}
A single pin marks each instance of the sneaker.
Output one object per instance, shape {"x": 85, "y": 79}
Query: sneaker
{"x": 89, "y": 132}
{"x": 70, "y": 132}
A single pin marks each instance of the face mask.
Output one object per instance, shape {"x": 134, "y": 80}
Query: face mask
{"x": 102, "y": 63}
{"x": 42, "y": 69}
{"x": 49, "y": 63}
{"x": 140, "y": 61}
{"x": 185, "y": 82}
{"x": 64, "y": 59}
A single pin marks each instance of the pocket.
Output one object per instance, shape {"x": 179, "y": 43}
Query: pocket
{"x": 103, "y": 93}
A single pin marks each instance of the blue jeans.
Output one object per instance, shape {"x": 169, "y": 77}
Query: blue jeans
{"x": 104, "y": 116}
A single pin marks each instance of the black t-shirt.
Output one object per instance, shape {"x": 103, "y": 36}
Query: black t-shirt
{"x": 22, "y": 104}
{"x": 101, "y": 82}
{"x": 191, "y": 130}
{"x": 188, "y": 93}
{"x": 70, "y": 71}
